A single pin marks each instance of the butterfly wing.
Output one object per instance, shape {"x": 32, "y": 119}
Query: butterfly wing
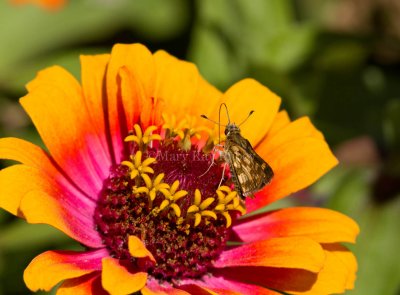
{"x": 250, "y": 173}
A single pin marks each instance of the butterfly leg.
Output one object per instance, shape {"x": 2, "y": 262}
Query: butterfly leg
{"x": 212, "y": 160}
{"x": 223, "y": 174}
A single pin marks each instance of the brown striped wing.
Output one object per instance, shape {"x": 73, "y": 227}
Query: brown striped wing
{"x": 250, "y": 173}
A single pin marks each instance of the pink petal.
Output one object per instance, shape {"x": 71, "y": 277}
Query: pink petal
{"x": 223, "y": 286}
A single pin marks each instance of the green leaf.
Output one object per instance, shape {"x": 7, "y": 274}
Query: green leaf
{"x": 391, "y": 124}
{"x": 17, "y": 235}
{"x": 377, "y": 245}
{"x": 214, "y": 61}
{"x": 377, "y": 250}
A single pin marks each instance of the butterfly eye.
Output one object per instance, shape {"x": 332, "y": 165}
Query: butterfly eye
{"x": 226, "y": 131}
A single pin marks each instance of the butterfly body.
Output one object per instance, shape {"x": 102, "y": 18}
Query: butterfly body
{"x": 250, "y": 173}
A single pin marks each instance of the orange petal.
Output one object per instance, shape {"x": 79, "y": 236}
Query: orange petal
{"x": 51, "y": 267}
{"x": 296, "y": 165}
{"x": 15, "y": 182}
{"x": 207, "y": 100}
{"x": 40, "y": 207}
{"x": 33, "y": 156}
{"x": 299, "y": 128}
{"x": 321, "y": 225}
{"x": 86, "y": 285}
{"x": 138, "y": 63}
{"x": 281, "y": 120}
{"x": 183, "y": 90}
{"x": 39, "y": 176}
{"x": 137, "y": 106}
{"x": 93, "y": 72}
{"x": 336, "y": 276}
{"x": 138, "y": 249}
{"x": 247, "y": 95}
{"x": 138, "y": 60}
{"x": 338, "y": 273}
{"x": 291, "y": 252}
{"x": 27, "y": 153}
{"x": 55, "y": 94}
{"x": 116, "y": 279}
{"x": 176, "y": 83}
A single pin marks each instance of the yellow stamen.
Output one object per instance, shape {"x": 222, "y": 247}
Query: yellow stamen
{"x": 171, "y": 196}
{"x": 198, "y": 209}
{"x": 152, "y": 187}
{"x": 174, "y": 128}
{"x": 228, "y": 200}
{"x": 207, "y": 202}
{"x": 137, "y": 167}
{"x": 142, "y": 139}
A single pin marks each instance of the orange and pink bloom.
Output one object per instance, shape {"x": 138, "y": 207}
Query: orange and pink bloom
{"x": 123, "y": 174}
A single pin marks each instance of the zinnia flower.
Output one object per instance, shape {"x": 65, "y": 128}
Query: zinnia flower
{"x": 124, "y": 175}
{"x": 48, "y": 4}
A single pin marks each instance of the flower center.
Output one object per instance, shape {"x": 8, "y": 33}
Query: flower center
{"x": 169, "y": 196}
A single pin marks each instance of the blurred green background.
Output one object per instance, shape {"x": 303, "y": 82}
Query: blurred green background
{"x": 335, "y": 61}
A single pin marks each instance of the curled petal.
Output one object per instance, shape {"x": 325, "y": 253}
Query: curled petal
{"x": 138, "y": 249}
{"x": 116, "y": 279}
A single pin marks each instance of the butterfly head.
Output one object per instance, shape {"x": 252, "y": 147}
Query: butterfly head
{"x": 232, "y": 129}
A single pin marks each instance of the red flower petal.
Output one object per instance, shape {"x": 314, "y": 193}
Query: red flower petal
{"x": 321, "y": 225}
{"x": 51, "y": 267}
{"x": 292, "y": 252}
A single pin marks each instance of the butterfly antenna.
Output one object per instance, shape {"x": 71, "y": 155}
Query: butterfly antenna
{"x": 227, "y": 113}
{"x": 207, "y": 118}
{"x": 219, "y": 118}
{"x": 251, "y": 112}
